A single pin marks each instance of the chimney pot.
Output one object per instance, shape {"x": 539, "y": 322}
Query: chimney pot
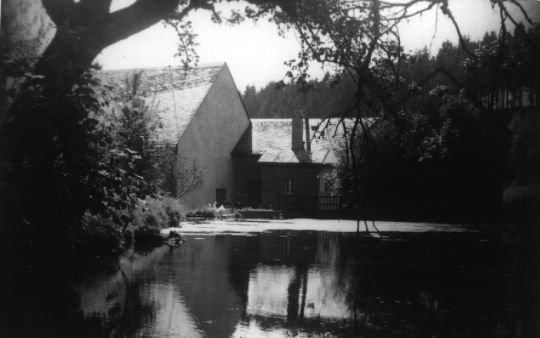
{"x": 297, "y": 132}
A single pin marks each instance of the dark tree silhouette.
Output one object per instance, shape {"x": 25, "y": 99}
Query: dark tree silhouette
{"x": 46, "y": 133}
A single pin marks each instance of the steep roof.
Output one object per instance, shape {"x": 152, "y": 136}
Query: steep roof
{"x": 176, "y": 94}
{"x": 272, "y": 139}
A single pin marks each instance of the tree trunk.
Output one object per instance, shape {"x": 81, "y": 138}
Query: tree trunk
{"x": 42, "y": 138}
{"x": 68, "y": 56}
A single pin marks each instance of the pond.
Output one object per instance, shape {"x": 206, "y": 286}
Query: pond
{"x": 285, "y": 283}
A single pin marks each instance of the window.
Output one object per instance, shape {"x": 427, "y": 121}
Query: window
{"x": 289, "y": 186}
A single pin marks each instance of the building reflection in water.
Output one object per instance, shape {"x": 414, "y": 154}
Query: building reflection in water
{"x": 221, "y": 286}
{"x": 267, "y": 290}
{"x": 290, "y": 295}
{"x": 296, "y": 288}
{"x": 293, "y": 284}
{"x": 296, "y": 292}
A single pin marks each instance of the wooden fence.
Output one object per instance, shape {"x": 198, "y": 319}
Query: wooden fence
{"x": 311, "y": 205}
{"x": 507, "y": 99}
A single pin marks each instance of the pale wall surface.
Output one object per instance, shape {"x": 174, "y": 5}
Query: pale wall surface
{"x": 210, "y": 139}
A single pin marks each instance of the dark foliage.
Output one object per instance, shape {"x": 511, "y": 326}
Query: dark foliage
{"x": 148, "y": 236}
{"x": 97, "y": 235}
{"x": 162, "y": 211}
{"x": 65, "y": 154}
{"x": 447, "y": 163}
{"x": 442, "y": 147}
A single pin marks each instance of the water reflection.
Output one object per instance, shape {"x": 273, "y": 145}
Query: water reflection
{"x": 296, "y": 284}
{"x": 139, "y": 300}
{"x": 268, "y": 291}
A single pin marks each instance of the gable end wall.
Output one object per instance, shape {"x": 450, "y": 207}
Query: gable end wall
{"x": 208, "y": 141}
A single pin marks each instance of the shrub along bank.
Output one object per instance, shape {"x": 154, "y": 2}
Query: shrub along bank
{"x": 99, "y": 235}
{"x": 75, "y": 183}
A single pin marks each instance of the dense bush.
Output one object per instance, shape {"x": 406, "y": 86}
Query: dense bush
{"x": 147, "y": 236}
{"x": 61, "y": 159}
{"x": 67, "y": 154}
{"x": 445, "y": 163}
{"x": 525, "y": 152}
{"x": 207, "y": 211}
{"x": 441, "y": 146}
{"x": 174, "y": 210}
{"x": 159, "y": 212}
{"x": 97, "y": 234}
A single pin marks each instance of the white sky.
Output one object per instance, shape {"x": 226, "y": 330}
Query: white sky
{"x": 255, "y": 53}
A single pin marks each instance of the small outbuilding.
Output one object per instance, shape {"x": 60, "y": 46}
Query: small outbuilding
{"x": 285, "y": 163}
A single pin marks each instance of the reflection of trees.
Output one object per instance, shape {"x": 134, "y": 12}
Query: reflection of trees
{"x": 121, "y": 300}
{"x": 413, "y": 285}
{"x": 32, "y": 302}
{"x": 67, "y": 300}
{"x": 99, "y": 290}
{"x": 327, "y": 283}
{"x": 135, "y": 312}
{"x": 92, "y": 299}
{"x": 296, "y": 301}
{"x": 428, "y": 284}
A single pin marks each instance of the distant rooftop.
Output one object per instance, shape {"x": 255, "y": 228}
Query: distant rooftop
{"x": 272, "y": 139}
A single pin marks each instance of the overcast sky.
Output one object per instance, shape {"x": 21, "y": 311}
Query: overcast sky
{"x": 255, "y": 53}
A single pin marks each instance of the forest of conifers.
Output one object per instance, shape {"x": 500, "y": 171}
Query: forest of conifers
{"x": 441, "y": 155}
{"x": 332, "y": 94}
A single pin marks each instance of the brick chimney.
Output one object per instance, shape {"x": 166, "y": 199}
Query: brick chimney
{"x": 297, "y": 132}
{"x": 308, "y": 136}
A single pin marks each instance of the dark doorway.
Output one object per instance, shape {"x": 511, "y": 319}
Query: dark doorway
{"x": 254, "y": 193}
{"x": 221, "y": 196}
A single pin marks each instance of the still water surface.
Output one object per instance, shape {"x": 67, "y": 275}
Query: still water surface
{"x": 297, "y": 284}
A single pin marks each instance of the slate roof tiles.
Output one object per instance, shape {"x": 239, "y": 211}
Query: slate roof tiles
{"x": 176, "y": 94}
{"x": 272, "y": 139}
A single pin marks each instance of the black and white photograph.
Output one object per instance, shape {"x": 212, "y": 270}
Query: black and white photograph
{"x": 270, "y": 168}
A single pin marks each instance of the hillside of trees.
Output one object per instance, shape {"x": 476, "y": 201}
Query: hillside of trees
{"x": 320, "y": 98}
{"x": 452, "y": 67}
{"x": 443, "y": 113}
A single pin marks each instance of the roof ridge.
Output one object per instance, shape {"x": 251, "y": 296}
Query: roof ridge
{"x": 169, "y": 67}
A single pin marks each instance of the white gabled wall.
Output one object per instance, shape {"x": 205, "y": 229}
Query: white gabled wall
{"x": 210, "y": 138}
